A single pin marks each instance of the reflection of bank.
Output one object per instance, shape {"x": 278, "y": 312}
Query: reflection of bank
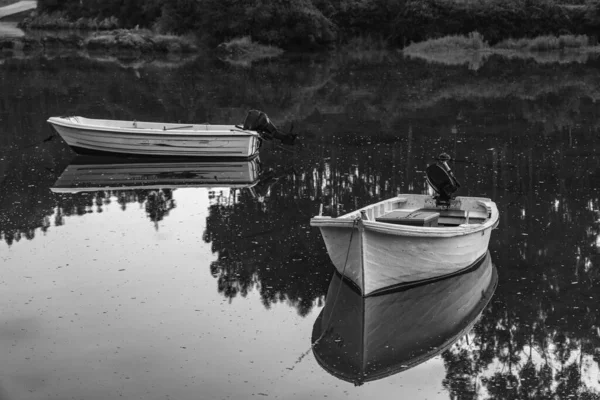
{"x": 87, "y": 174}
{"x": 361, "y": 339}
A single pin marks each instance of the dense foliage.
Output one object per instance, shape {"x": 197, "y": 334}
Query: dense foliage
{"x": 310, "y": 23}
{"x": 129, "y": 12}
{"x": 282, "y": 22}
{"x": 496, "y": 20}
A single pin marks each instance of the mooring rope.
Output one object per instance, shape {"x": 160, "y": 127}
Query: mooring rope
{"x": 322, "y": 335}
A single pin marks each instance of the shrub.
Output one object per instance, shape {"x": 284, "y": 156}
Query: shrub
{"x": 592, "y": 14}
{"x": 174, "y": 44}
{"x": 60, "y": 20}
{"x": 245, "y": 45}
{"x": 181, "y": 16}
{"x": 216, "y": 19}
{"x": 360, "y": 17}
{"x": 474, "y": 41}
{"x": 244, "y": 51}
{"x": 290, "y": 23}
{"x": 452, "y": 50}
{"x": 496, "y": 20}
{"x": 129, "y": 12}
{"x": 50, "y": 6}
{"x": 278, "y": 22}
{"x": 140, "y": 40}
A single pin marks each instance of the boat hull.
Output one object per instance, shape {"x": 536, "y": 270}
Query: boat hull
{"x": 376, "y": 261}
{"x": 146, "y": 142}
{"x": 378, "y": 256}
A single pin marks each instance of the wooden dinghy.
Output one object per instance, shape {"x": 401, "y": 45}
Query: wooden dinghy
{"x": 93, "y": 136}
{"x": 411, "y": 238}
{"x": 360, "y": 339}
{"x": 89, "y": 173}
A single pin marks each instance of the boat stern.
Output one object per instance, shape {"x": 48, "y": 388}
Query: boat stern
{"x": 254, "y": 145}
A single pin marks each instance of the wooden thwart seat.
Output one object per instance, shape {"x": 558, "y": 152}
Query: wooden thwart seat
{"x": 411, "y": 217}
{"x": 450, "y": 217}
{"x": 431, "y": 217}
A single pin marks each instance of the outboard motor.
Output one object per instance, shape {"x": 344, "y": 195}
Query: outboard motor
{"x": 259, "y": 122}
{"x": 442, "y": 180}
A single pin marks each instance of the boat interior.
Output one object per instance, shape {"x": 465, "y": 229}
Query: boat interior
{"x": 412, "y": 210}
{"x": 440, "y": 210}
{"x": 151, "y": 125}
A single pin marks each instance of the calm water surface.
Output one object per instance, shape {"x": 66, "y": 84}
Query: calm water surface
{"x": 218, "y": 290}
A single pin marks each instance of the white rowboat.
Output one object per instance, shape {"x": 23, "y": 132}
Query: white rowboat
{"x": 93, "y": 136}
{"x": 408, "y": 239}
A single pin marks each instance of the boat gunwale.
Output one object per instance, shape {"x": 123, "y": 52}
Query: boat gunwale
{"x": 67, "y": 123}
{"x": 348, "y": 221}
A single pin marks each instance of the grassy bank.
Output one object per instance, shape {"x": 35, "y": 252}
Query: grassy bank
{"x": 141, "y": 41}
{"x": 244, "y": 51}
{"x": 473, "y": 49}
{"x": 549, "y": 43}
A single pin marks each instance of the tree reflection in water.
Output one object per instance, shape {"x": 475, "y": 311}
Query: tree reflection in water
{"x": 530, "y": 144}
{"x": 539, "y": 338}
{"x": 267, "y": 246}
{"x": 540, "y": 334}
{"x": 157, "y": 203}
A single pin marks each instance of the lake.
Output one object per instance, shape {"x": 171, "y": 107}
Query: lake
{"x": 218, "y": 290}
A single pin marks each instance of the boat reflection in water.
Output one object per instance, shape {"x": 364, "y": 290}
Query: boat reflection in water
{"x": 360, "y": 339}
{"x": 86, "y": 174}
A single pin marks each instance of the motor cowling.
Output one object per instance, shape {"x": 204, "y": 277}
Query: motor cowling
{"x": 442, "y": 180}
{"x": 259, "y": 121}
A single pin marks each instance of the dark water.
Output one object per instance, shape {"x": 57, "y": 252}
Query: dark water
{"x": 217, "y": 292}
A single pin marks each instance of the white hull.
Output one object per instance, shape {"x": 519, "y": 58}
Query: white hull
{"x": 154, "y": 139}
{"x": 377, "y": 256}
{"x": 88, "y": 175}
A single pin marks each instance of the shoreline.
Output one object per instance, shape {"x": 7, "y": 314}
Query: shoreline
{"x": 473, "y": 50}
{"x": 57, "y": 31}
{"x": 243, "y": 51}
{"x": 140, "y": 41}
